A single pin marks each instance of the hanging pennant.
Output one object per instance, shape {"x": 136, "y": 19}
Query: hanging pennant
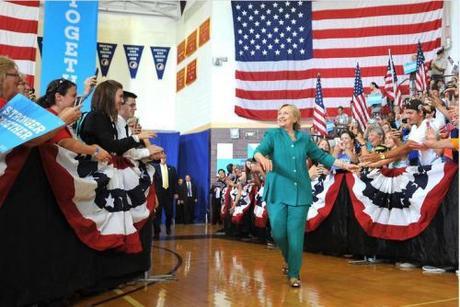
{"x": 191, "y": 43}
{"x": 204, "y": 32}
{"x": 180, "y": 79}
{"x": 160, "y": 56}
{"x": 191, "y": 72}
{"x": 181, "y": 52}
{"x": 105, "y": 51}
{"x": 133, "y": 56}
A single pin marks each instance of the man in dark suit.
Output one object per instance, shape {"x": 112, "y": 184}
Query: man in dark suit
{"x": 165, "y": 181}
{"x": 180, "y": 202}
{"x": 191, "y": 200}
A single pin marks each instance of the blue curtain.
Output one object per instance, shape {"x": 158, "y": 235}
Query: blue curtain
{"x": 170, "y": 142}
{"x": 194, "y": 160}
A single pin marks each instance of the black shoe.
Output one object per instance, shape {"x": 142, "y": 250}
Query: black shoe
{"x": 156, "y": 237}
{"x": 168, "y": 231}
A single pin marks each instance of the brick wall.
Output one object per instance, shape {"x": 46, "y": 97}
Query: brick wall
{"x": 240, "y": 145}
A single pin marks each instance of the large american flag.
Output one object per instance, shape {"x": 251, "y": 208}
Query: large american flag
{"x": 319, "y": 113}
{"x": 281, "y": 46}
{"x": 18, "y": 34}
{"x": 359, "y": 109}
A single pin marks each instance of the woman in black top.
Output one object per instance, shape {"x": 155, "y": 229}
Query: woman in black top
{"x": 99, "y": 126}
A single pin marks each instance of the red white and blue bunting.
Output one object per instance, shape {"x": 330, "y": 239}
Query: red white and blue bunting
{"x": 260, "y": 209}
{"x": 106, "y": 205}
{"x": 398, "y": 204}
{"x": 325, "y": 191}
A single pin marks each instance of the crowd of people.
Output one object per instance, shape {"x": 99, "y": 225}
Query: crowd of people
{"x": 270, "y": 195}
{"x": 421, "y": 131}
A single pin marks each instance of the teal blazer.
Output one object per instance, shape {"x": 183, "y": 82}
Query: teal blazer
{"x": 289, "y": 181}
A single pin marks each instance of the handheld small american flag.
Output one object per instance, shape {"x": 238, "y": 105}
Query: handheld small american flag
{"x": 391, "y": 83}
{"x": 319, "y": 112}
{"x": 390, "y": 80}
{"x": 420, "y": 81}
{"x": 359, "y": 109}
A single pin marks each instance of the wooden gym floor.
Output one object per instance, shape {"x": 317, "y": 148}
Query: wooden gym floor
{"x": 214, "y": 271}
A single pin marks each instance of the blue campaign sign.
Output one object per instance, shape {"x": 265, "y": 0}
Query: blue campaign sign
{"x": 22, "y": 120}
{"x": 160, "y": 56}
{"x": 133, "y": 56}
{"x": 69, "y": 42}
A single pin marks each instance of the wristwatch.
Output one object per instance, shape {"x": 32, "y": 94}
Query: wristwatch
{"x": 96, "y": 152}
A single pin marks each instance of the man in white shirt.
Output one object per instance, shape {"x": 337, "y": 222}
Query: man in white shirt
{"x": 126, "y": 113}
{"x": 439, "y": 66}
{"x": 423, "y": 128}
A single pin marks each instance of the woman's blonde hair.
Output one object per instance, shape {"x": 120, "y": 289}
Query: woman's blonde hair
{"x": 6, "y": 64}
{"x": 295, "y": 112}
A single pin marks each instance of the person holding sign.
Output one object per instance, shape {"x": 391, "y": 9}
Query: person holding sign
{"x": 61, "y": 94}
{"x": 99, "y": 127}
{"x": 9, "y": 82}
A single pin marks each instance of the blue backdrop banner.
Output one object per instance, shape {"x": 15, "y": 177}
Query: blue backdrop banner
{"x": 160, "y": 56}
{"x": 170, "y": 143}
{"x": 69, "y": 42}
{"x": 194, "y": 160}
{"x": 133, "y": 56}
{"x": 105, "y": 51}
{"x": 22, "y": 120}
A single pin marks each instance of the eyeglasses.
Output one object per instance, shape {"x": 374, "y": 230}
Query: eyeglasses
{"x": 13, "y": 75}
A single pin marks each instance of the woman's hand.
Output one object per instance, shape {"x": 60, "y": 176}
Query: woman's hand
{"x": 351, "y": 167}
{"x": 314, "y": 172}
{"x": 89, "y": 84}
{"x": 155, "y": 152}
{"x": 70, "y": 114}
{"x": 266, "y": 164}
{"x": 146, "y": 134}
{"x": 101, "y": 154}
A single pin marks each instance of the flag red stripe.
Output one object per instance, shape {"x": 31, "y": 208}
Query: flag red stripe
{"x": 18, "y": 53}
{"x": 400, "y": 9}
{"x": 372, "y": 51}
{"x": 378, "y": 31}
{"x": 297, "y": 94}
{"x": 311, "y": 73}
{"x": 293, "y": 94}
{"x": 26, "y": 3}
{"x": 264, "y": 114}
{"x": 18, "y": 25}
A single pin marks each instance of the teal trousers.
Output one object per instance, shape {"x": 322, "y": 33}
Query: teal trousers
{"x": 288, "y": 230}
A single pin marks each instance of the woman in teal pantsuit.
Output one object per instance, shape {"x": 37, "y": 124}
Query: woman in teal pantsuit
{"x": 287, "y": 190}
